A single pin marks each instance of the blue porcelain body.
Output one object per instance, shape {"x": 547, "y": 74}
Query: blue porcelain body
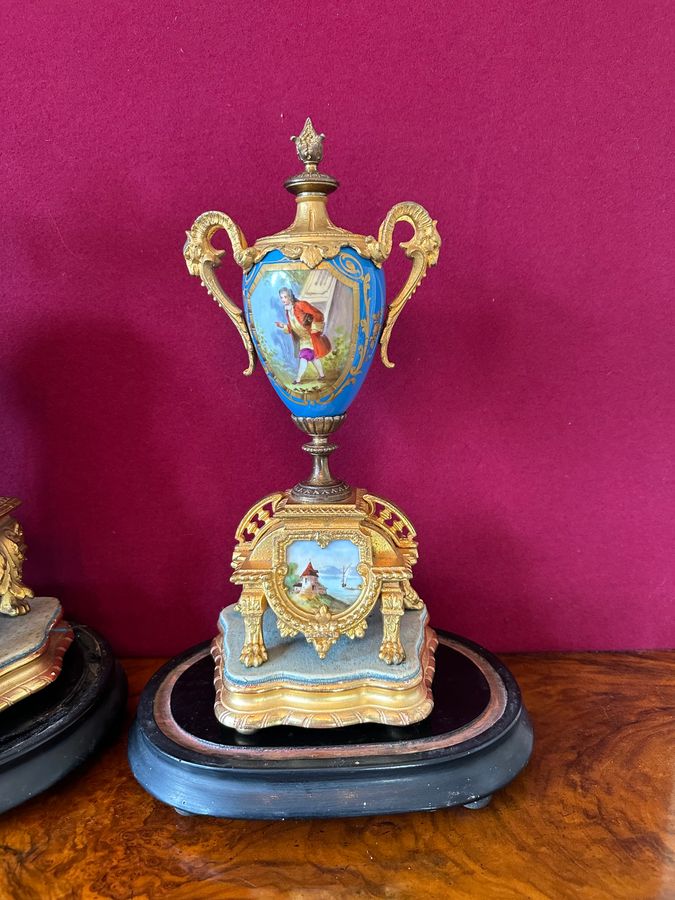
{"x": 315, "y": 330}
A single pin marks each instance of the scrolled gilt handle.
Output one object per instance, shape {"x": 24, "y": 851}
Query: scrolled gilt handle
{"x": 422, "y": 248}
{"x": 202, "y": 258}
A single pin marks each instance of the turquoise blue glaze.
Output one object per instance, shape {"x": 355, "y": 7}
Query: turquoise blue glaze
{"x": 349, "y": 294}
{"x": 294, "y": 659}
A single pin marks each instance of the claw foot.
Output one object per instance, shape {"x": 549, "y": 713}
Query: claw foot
{"x": 253, "y": 655}
{"x": 392, "y": 652}
{"x": 13, "y": 606}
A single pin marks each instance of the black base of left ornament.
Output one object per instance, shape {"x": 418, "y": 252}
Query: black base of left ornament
{"x": 47, "y": 735}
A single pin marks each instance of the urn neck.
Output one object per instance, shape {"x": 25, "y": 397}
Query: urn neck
{"x": 311, "y": 213}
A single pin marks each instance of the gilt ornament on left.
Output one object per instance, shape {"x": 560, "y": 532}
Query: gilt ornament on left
{"x": 61, "y": 689}
{"x": 34, "y": 636}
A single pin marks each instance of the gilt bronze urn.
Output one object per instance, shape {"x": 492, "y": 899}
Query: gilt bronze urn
{"x": 316, "y": 560}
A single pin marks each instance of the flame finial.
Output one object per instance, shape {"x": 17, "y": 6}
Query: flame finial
{"x": 309, "y": 145}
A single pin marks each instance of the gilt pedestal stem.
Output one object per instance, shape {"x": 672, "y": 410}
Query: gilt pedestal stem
{"x": 320, "y": 487}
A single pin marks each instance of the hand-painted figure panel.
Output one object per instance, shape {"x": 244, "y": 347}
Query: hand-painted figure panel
{"x": 304, "y": 322}
{"x": 315, "y": 330}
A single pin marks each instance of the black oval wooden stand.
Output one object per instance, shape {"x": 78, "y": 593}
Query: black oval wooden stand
{"x": 47, "y": 735}
{"x": 476, "y": 740}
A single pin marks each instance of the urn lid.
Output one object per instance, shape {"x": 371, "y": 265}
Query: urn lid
{"x": 313, "y": 237}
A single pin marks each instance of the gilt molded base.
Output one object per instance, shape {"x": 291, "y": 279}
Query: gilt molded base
{"x": 296, "y": 687}
{"x": 32, "y": 647}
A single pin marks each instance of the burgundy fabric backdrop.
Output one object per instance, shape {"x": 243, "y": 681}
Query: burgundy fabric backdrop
{"x": 528, "y": 426}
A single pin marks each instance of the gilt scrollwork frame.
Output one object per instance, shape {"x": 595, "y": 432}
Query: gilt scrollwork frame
{"x": 322, "y": 628}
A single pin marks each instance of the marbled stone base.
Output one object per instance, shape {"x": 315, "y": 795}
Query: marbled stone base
{"x": 32, "y": 647}
{"x": 351, "y": 685}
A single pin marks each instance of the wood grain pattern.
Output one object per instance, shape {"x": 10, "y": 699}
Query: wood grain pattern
{"x": 591, "y": 817}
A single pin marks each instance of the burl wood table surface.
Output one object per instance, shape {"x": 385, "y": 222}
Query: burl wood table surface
{"x": 592, "y": 815}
